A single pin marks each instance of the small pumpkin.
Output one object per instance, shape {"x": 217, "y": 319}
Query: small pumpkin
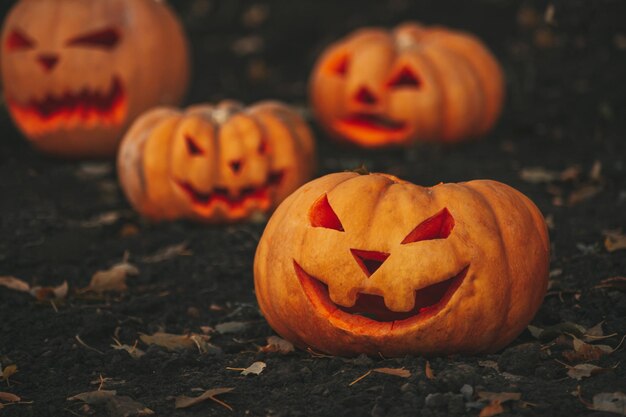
{"x": 214, "y": 163}
{"x": 352, "y": 264}
{"x": 76, "y": 73}
{"x": 378, "y": 88}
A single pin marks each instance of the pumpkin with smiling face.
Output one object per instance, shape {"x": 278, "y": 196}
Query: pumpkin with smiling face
{"x": 352, "y": 264}
{"x": 77, "y": 72}
{"x": 378, "y": 88}
{"x": 213, "y": 164}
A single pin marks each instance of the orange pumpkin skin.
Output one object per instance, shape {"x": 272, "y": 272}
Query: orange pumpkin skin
{"x": 352, "y": 264}
{"x": 211, "y": 164}
{"x": 379, "y": 88}
{"x": 76, "y": 73}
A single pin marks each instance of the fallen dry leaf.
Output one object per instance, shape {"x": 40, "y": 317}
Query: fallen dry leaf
{"x": 184, "y": 402}
{"x": 584, "y": 370}
{"x": 231, "y": 327}
{"x": 584, "y": 352}
{"x": 171, "y": 342}
{"x": 552, "y": 332}
{"x": 117, "y": 406}
{"x": 50, "y": 293}
{"x": 7, "y": 372}
{"x": 583, "y": 193}
{"x": 614, "y": 240}
{"x": 9, "y": 398}
{"x": 15, "y": 284}
{"x": 103, "y": 219}
{"x": 168, "y": 253}
{"x": 429, "y": 371}
{"x": 492, "y": 409}
{"x": 113, "y": 279}
{"x": 619, "y": 283}
{"x": 537, "y": 175}
{"x": 256, "y": 368}
{"x": 612, "y": 402}
{"x": 278, "y": 345}
{"x": 133, "y": 351}
{"x": 401, "y": 372}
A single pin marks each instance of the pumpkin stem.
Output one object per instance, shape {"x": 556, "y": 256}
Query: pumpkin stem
{"x": 361, "y": 170}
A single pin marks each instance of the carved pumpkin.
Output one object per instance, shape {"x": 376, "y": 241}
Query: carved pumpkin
{"x": 352, "y": 264}
{"x": 77, "y": 72}
{"x": 377, "y": 88}
{"x": 214, "y": 163}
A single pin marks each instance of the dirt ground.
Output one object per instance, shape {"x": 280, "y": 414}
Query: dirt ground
{"x": 561, "y": 141}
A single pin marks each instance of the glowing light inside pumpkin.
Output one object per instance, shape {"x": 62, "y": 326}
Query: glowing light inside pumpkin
{"x": 322, "y": 214}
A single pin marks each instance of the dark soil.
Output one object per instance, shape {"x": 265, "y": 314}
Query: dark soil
{"x": 566, "y": 107}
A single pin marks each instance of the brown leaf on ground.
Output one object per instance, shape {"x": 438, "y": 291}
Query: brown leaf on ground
{"x": 171, "y": 342}
{"x": 231, "y": 327}
{"x": 612, "y": 402}
{"x": 117, "y": 406}
{"x": 278, "y": 345}
{"x": 103, "y": 219}
{"x": 113, "y": 279}
{"x": 167, "y": 253}
{"x": 50, "y": 293}
{"x": 493, "y": 409}
{"x": 184, "y": 402}
{"x": 255, "y": 369}
{"x": 401, "y": 372}
{"x": 501, "y": 397}
{"x": 15, "y": 284}
{"x": 7, "y": 397}
{"x": 614, "y": 240}
{"x": 7, "y": 372}
{"x": 584, "y": 370}
{"x": 583, "y": 193}
{"x": 584, "y": 352}
{"x": 618, "y": 283}
{"x": 429, "y": 371}
{"x": 537, "y": 175}
{"x": 133, "y": 351}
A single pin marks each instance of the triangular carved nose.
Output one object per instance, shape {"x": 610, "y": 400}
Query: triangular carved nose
{"x": 48, "y": 62}
{"x": 369, "y": 261}
{"x": 365, "y": 96}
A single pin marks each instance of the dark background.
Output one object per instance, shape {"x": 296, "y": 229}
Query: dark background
{"x": 565, "y": 110}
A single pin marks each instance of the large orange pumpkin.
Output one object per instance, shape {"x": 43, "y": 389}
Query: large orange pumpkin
{"x": 378, "y": 88}
{"x": 215, "y": 163}
{"x": 352, "y": 264}
{"x": 77, "y": 72}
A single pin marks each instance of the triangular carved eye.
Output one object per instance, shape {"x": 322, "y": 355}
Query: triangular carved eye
{"x": 438, "y": 226}
{"x": 18, "y": 40}
{"x": 404, "y": 79}
{"x": 192, "y": 146}
{"x": 322, "y": 214}
{"x": 340, "y": 65}
{"x": 106, "y": 38}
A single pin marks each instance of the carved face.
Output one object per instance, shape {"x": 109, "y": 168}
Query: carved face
{"x": 385, "y": 266}
{"x": 377, "y": 88}
{"x": 76, "y": 73}
{"x": 213, "y": 164}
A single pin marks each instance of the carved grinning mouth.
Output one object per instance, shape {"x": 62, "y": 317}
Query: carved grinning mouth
{"x": 248, "y": 194}
{"x": 372, "y": 122}
{"x": 370, "y": 311}
{"x": 86, "y": 107}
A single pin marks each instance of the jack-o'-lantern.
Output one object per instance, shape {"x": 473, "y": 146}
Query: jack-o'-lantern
{"x": 352, "y": 264}
{"x": 379, "y": 88}
{"x": 77, "y": 72}
{"x": 215, "y": 163}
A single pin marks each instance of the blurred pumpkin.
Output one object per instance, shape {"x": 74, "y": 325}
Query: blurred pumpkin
{"x": 378, "y": 88}
{"x": 214, "y": 163}
{"x": 352, "y": 264}
{"x": 76, "y": 73}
